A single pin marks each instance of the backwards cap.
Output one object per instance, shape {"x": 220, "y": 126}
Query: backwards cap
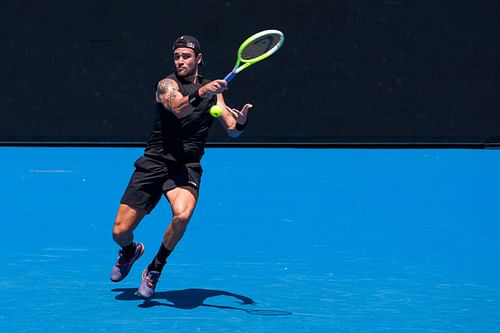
{"x": 189, "y": 42}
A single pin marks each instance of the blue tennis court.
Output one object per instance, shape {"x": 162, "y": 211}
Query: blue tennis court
{"x": 282, "y": 240}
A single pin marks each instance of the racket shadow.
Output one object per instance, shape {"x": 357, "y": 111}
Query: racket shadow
{"x": 189, "y": 299}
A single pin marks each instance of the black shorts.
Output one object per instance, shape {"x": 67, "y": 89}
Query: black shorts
{"x": 152, "y": 177}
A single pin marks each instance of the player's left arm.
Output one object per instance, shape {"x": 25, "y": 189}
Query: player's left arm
{"x": 233, "y": 120}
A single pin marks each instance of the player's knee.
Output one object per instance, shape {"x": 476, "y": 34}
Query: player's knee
{"x": 181, "y": 220}
{"x": 120, "y": 231}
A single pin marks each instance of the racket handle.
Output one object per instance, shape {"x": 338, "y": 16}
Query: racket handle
{"x": 229, "y": 77}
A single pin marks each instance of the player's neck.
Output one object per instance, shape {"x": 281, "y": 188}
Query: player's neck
{"x": 192, "y": 78}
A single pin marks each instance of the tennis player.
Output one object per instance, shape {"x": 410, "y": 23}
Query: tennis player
{"x": 170, "y": 165}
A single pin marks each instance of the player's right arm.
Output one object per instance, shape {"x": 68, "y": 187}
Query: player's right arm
{"x": 168, "y": 94}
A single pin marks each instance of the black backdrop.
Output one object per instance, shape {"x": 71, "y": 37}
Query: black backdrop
{"x": 394, "y": 71}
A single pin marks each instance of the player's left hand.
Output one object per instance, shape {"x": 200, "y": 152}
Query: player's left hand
{"x": 240, "y": 115}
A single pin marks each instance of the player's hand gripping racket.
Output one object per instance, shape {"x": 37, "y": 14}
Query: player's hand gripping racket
{"x": 256, "y": 48}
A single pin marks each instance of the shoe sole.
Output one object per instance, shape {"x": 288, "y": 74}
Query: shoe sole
{"x": 139, "y": 294}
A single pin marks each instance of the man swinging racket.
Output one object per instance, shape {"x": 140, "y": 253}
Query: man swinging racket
{"x": 171, "y": 165}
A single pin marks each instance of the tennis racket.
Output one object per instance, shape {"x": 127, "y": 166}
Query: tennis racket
{"x": 256, "y": 48}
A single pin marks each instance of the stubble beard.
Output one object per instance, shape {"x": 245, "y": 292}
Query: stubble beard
{"x": 188, "y": 75}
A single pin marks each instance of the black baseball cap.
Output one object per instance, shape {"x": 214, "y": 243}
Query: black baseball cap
{"x": 189, "y": 42}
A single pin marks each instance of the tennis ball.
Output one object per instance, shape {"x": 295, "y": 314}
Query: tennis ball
{"x": 216, "y": 111}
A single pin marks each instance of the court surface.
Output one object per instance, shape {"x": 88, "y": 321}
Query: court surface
{"x": 318, "y": 240}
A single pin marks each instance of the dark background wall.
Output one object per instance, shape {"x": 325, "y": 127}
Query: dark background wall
{"x": 394, "y": 71}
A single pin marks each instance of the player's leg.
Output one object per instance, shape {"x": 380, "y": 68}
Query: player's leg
{"x": 127, "y": 219}
{"x": 141, "y": 195}
{"x": 181, "y": 190}
{"x": 183, "y": 202}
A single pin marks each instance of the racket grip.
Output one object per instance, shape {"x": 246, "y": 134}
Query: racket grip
{"x": 229, "y": 77}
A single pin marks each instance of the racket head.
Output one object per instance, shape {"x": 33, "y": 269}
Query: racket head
{"x": 260, "y": 46}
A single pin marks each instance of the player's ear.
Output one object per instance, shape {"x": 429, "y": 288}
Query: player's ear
{"x": 199, "y": 59}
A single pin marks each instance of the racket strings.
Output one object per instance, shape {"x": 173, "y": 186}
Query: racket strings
{"x": 260, "y": 46}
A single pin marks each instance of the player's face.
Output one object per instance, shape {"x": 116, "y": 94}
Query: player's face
{"x": 186, "y": 62}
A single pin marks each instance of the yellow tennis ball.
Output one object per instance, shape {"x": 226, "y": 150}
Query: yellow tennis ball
{"x": 216, "y": 111}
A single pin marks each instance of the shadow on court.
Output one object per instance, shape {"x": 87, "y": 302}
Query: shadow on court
{"x": 189, "y": 299}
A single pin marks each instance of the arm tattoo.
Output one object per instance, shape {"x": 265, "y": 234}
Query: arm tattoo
{"x": 167, "y": 87}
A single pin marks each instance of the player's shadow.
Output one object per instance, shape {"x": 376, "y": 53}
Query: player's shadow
{"x": 192, "y": 298}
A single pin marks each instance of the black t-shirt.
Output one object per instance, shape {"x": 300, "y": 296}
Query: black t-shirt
{"x": 181, "y": 139}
